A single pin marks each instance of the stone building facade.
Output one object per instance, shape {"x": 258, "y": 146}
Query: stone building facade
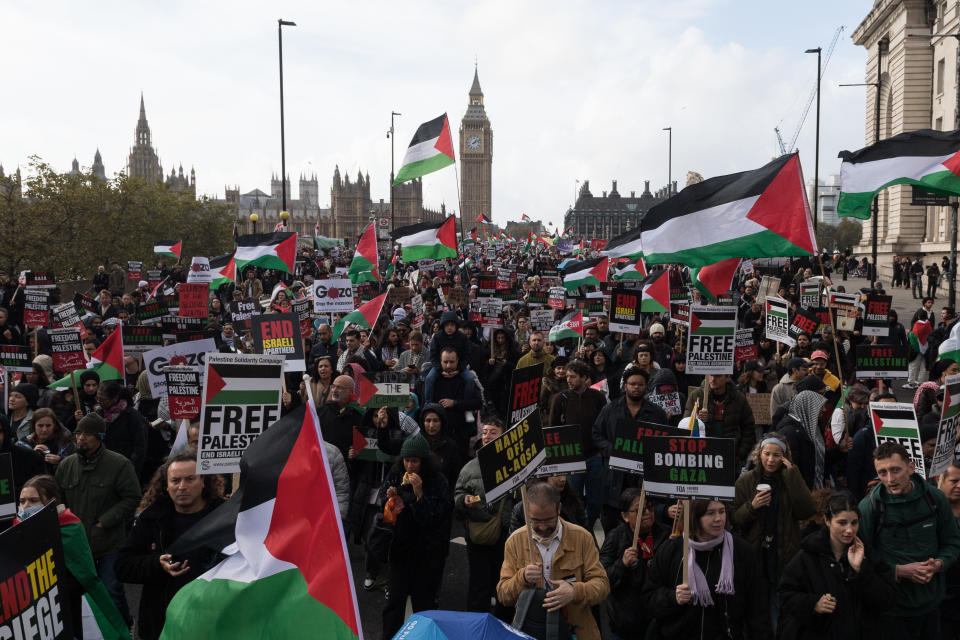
{"x": 144, "y": 163}
{"x": 609, "y": 214}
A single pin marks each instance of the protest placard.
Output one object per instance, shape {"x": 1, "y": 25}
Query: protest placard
{"x": 490, "y": 313}
{"x": 177, "y": 324}
{"x": 66, "y": 349}
{"x": 746, "y": 267}
{"x": 541, "y": 319}
{"x": 154, "y": 277}
{"x": 945, "y": 451}
{"x": 333, "y": 296}
{"x": 486, "y": 285}
{"x": 65, "y": 315}
{"x": 36, "y": 307}
{"x": 745, "y": 348}
{"x": 557, "y": 298}
{"x": 710, "y": 342}
{"x": 628, "y": 439}
{"x": 182, "y": 353}
{"x": 537, "y": 298}
{"x": 667, "y": 398}
{"x": 760, "y": 404}
{"x": 769, "y": 286}
{"x": 778, "y": 321}
{"x": 876, "y": 315}
{"x": 241, "y": 312}
{"x": 16, "y": 358}
{"x": 183, "y": 391}
{"x": 510, "y": 459}
{"x": 150, "y": 312}
{"x": 416, "y": 309}
{"x": 625, "y": 314}
{"x": 564, "y": 447}
{"x": 897, "y": 422}
{"x": 240, "y": 399}
{"x": 199, "y": 271}
{"x": 701, "y": 468}
{"x": 844, "y": 307}
{"x": 384, "y": 389}
{"x": 4, "y": 386}
{"x": 134, "y": 270}
{"x": 809, "y": 294}
{"x": 85, "y": 304}
{"x": 804, "y": 321}
{"x": 40, "y": 280}
{"x": 279, "y": 334}
{"x": 882, "y": 361}
{"x": 36, "y": 600}
{"x": 680, "y": 312}
{"x": 8, "y": 492}
{"x": 525, "y": 385}
{"x": 193, "y": 299}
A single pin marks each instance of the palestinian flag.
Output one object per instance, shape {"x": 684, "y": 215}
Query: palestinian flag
{"x": 169, "y": 249}
{"x": 602, "y": 387}
{"x": 287, "y": 567}
{"x": 950, "y": 348}
{"x": 268, "y": 250}
{"x": 713, "y": 321}
{"x": 430, "y": 150}
{"x": 585, "y": 273}
{"x": 926, "y": 158}
{"x": 482, "y": 219}
{"x": 473, "y": 235}
{"x": 223, "y": 269}
{"x": 715, "y": 279}
{"x": 392, "y": 267}
{"x": 633, "y": 271}
{"x": 366, "y": 316}
{"x": 578, "y": 251}
{"x": 754, "y": 214}
{"x": 366, "y": 264}
{"x": 229, "y": 383}
{"x": 570, "y": 326}
{"x": 656, "y": 292}
{"x": 625, "y": 245}
{"x": 531, "y": 241}
{"x": 434, "y": 240}
{"x": 918, "y": 335}
{"x": 106, "y": 360}
{"x": 524, "y": 218}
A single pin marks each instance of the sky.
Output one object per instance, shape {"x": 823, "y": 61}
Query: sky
{"x": 574, "y": 91}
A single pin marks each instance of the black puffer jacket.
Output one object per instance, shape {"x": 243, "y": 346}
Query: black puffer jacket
{"x": 625, "y": 606}
{"x": 127, "y": 435}
{"x": 422, "y": 529}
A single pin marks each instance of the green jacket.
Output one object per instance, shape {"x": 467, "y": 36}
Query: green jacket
{"x": 913, "y": 528}
{"x": 100, "y": 489}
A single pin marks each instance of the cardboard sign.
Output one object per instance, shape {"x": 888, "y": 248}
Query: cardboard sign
{"x": 625, "y": 314}
{"x": 769, "y": 286}
{"x": 182, "y": 353}
{"x": 882, "y": 361}
{"x": 65, "y": 315}
{"x": 8, "y": 492}
{"x": 241, "y": 312}
{"x": 629, "y": 436}
{"x": 36, "y": 307}
{"x": 809, "y": 294}
{"x": 66, "y": 349}
{"x": 680, "y": 313}
{"x": 945, "y": 451}
{"x": 40, "y": 280}
{"x": 16, "y": 358}
{"x": 564, "y": 448}
{"x": 804, "y": 321}
{"x": 140, "y": 339}
{"x": 151, "y": 312}
{"x": 199, "y": 271}
{"x": 183, "y": 391}
{"x": 390, "y": 389}
{"x": 279, "y": 334}
{"x": 241, "y": 398}
{"x": 525, "y": 386}
{"x": 710, "y": 342}
{"x": 36, "y": 603}
{"x": 701, "y": 468}
{"x": 876, "y": 315}
{"x": 193, "y": 299}
{"x": 416, "y": 309}
{"x": 669, "y": 402}
{"x": 778, "y": 321}
{"x": 85, "y": 304}
{"x": 541, "y": 319}
{"x": 844, "y": 310}
{"x": 333, "y": 296}
{"x": 744, "y": 347}
{"x": 760, "y": 404}
{"x": 558, "y": 296}
{"x": 490, "y": 313}
{"x": 509, "y": 460}
{"x": 897, "y": 422}
{"x": 178, "y": 324}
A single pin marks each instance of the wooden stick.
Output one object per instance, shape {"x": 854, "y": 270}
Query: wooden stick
{"x": 73, "y": 383}
{"x": 535, "y": 555}
{"x": 636, "y": 528}
{"x": 836, "y": 350}
{"x": 686, "y": 542}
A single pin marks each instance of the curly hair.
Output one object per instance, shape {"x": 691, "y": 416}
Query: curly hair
{"x": 156, "y": 491}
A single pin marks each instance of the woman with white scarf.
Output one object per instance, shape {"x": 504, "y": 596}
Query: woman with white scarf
{"x": 724, "y": 598}
{"x": 802, "y": 428}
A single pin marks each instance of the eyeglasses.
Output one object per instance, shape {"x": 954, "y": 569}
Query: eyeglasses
{"x": 545, "y": 520}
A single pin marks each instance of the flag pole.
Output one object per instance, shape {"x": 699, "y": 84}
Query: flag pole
{"x": 636, "y": 528}
{"x": 456, "y": 174}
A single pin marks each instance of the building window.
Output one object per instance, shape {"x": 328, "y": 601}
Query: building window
{"x": 941, "y": 69}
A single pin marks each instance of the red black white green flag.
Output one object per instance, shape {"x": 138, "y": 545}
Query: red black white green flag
{"x": 365, "y": 264}
{"x": 585, "y": 272}
{"x": 434, "y": 240}
{"x": 656, "y": 292}
{"x": 430, "y": 150}
{"x": 364, "y": 317}
{"x": 276, "y": 250}
{"x": 169, "y": 249}
{"x": 715, "y": 279}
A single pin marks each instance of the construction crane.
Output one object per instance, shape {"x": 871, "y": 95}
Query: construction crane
{"x": 789, "y": 148}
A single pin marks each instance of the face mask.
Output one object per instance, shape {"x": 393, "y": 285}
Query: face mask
{"x": 23, "y": 514}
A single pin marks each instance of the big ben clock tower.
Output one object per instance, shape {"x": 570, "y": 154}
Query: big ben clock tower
{"x": 476, "y": 157}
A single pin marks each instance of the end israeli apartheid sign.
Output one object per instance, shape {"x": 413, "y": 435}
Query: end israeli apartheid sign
{"x": 882, "y": 361}
{"x": 897, "y": 422}
{"x": 279, "y": 334}
{"x": 710, "y": 342}
{"x": 510, "y": 459}
{"x": 629, "y": 436}
{"x": 564, "y": 447}
{"x": 525, "y": 391}
{"x": 876, "y": 315}
{"x": 778, "y": 321}
{"x": 685, "y": 467}
{"x": 625, "y": 314}
{"x": 945, "y": 451}
{"x": 241, "y": 398}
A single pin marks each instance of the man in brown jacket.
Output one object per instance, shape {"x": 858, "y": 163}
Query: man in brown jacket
{"x": 568, "y": 566}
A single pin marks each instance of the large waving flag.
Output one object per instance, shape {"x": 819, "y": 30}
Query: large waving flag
{"x": 625, "y": 245}
{"x": 656, "y": 292}
{"x": 287, "y": 568}
{"x": 366, "y": 263}
{"x": 365, "y": 317}
{"x": 223, "y": 269}
{"x": 524, "y": 218}
{"x": 276, "y": 250}
{"x": 715, "y": 279}
{"x": 926, "y": 158}
{"x": 169, "y": 249}
{"x": 430, "y": 150}
{"x": 570, "y": 326}
{"x": 754, "y": 214}
{"x": 106, "y": 360}
{"x": 632, "y": 271}
{"x": 585, "y": 272}
{"x": 434, "y": 240}
{"x": 950, "y": 348}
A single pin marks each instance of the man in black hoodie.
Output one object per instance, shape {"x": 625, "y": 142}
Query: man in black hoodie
{"x": 449, "y": 337}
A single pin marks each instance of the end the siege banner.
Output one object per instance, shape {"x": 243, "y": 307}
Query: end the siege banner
{"x": 510, "y": 459}
{"x": 685, "y": 467}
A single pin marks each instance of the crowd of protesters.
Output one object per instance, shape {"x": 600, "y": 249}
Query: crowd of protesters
{"x": 828, "y": 534}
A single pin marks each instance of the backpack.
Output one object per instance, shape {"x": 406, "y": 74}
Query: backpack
{"x": 880, "y": 508}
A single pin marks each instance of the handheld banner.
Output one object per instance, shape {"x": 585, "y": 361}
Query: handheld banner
{"x": 279, "y": 334}
{"x": 629, "y": 436}
{"x": 882, "y": 361}
{"x": 778, "y": 320}
{"x": 744, "y": 348}
{"x": 680, "y": 312}
{"x": 241, "y": 398}
{"x": 151, "y": 312}
{"x": 804, "y": 321}
{"x": 8, "y": 492}
{"x": 945, "y": 451}
{"x": 138, "y": 338}
{"x": 710, "y": 341}
{"x": 844, "y": 307}
{"x": 809, "y": 294}
{"x": 193, "y": 299}
{"x": 154, "y": 277}
{"x": 40, "y": 280}
{"x": 183, "y": 391}
{"x": 417, "y": 309}
{"x": 699, "y": 468}
{"x": 897, "y": 422}
{"x": 525, "y": 391}
{"x": 557, "y": 299}
{"x": 388, "y": 389}
{"x": 191, "y": 353}
{"x": 510, "y": 459}
{"x": 876, "y": 314}
{"x": 333, "y": 296}
{"x": 65, "y": 315}
{"x": 490, "y": 313}
{"x": 564, "y": 448}
{"x": 625, "y": 314}
{"x": 16, "y": 358}
{"x": 66, "y": 350}
{"x": 541, "y": 319}
{"x": 134, "y": 270}
{"x": 199, "y": 271}
{"x": 36, "y": 307}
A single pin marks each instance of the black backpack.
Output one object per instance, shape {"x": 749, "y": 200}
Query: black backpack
{"x": 880, "y": 508}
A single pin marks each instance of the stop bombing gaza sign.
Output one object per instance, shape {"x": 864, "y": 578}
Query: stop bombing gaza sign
{"x": 687, "y": 467}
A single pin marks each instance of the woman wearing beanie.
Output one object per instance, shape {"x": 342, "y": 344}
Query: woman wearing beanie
{"x": 724, "y": 599}
{"x": 20, "y": 405}
{"x": 415, "y": 494}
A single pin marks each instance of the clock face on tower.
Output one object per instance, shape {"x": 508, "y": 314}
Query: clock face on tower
{"x": 473, "y": 143}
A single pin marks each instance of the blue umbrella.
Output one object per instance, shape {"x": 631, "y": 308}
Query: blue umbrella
{"x": 455, "y": 625}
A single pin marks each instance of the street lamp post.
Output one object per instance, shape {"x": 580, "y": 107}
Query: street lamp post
{"x": 283, "y": 151}
{"x": 390, "y": 134}
{"x": 253, "y": 218}
{"x": 669, "y": 131}
{"x": 816, "y": 161}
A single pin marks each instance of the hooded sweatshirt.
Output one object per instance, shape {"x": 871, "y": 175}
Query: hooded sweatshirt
{"x": 459, "y": 342}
